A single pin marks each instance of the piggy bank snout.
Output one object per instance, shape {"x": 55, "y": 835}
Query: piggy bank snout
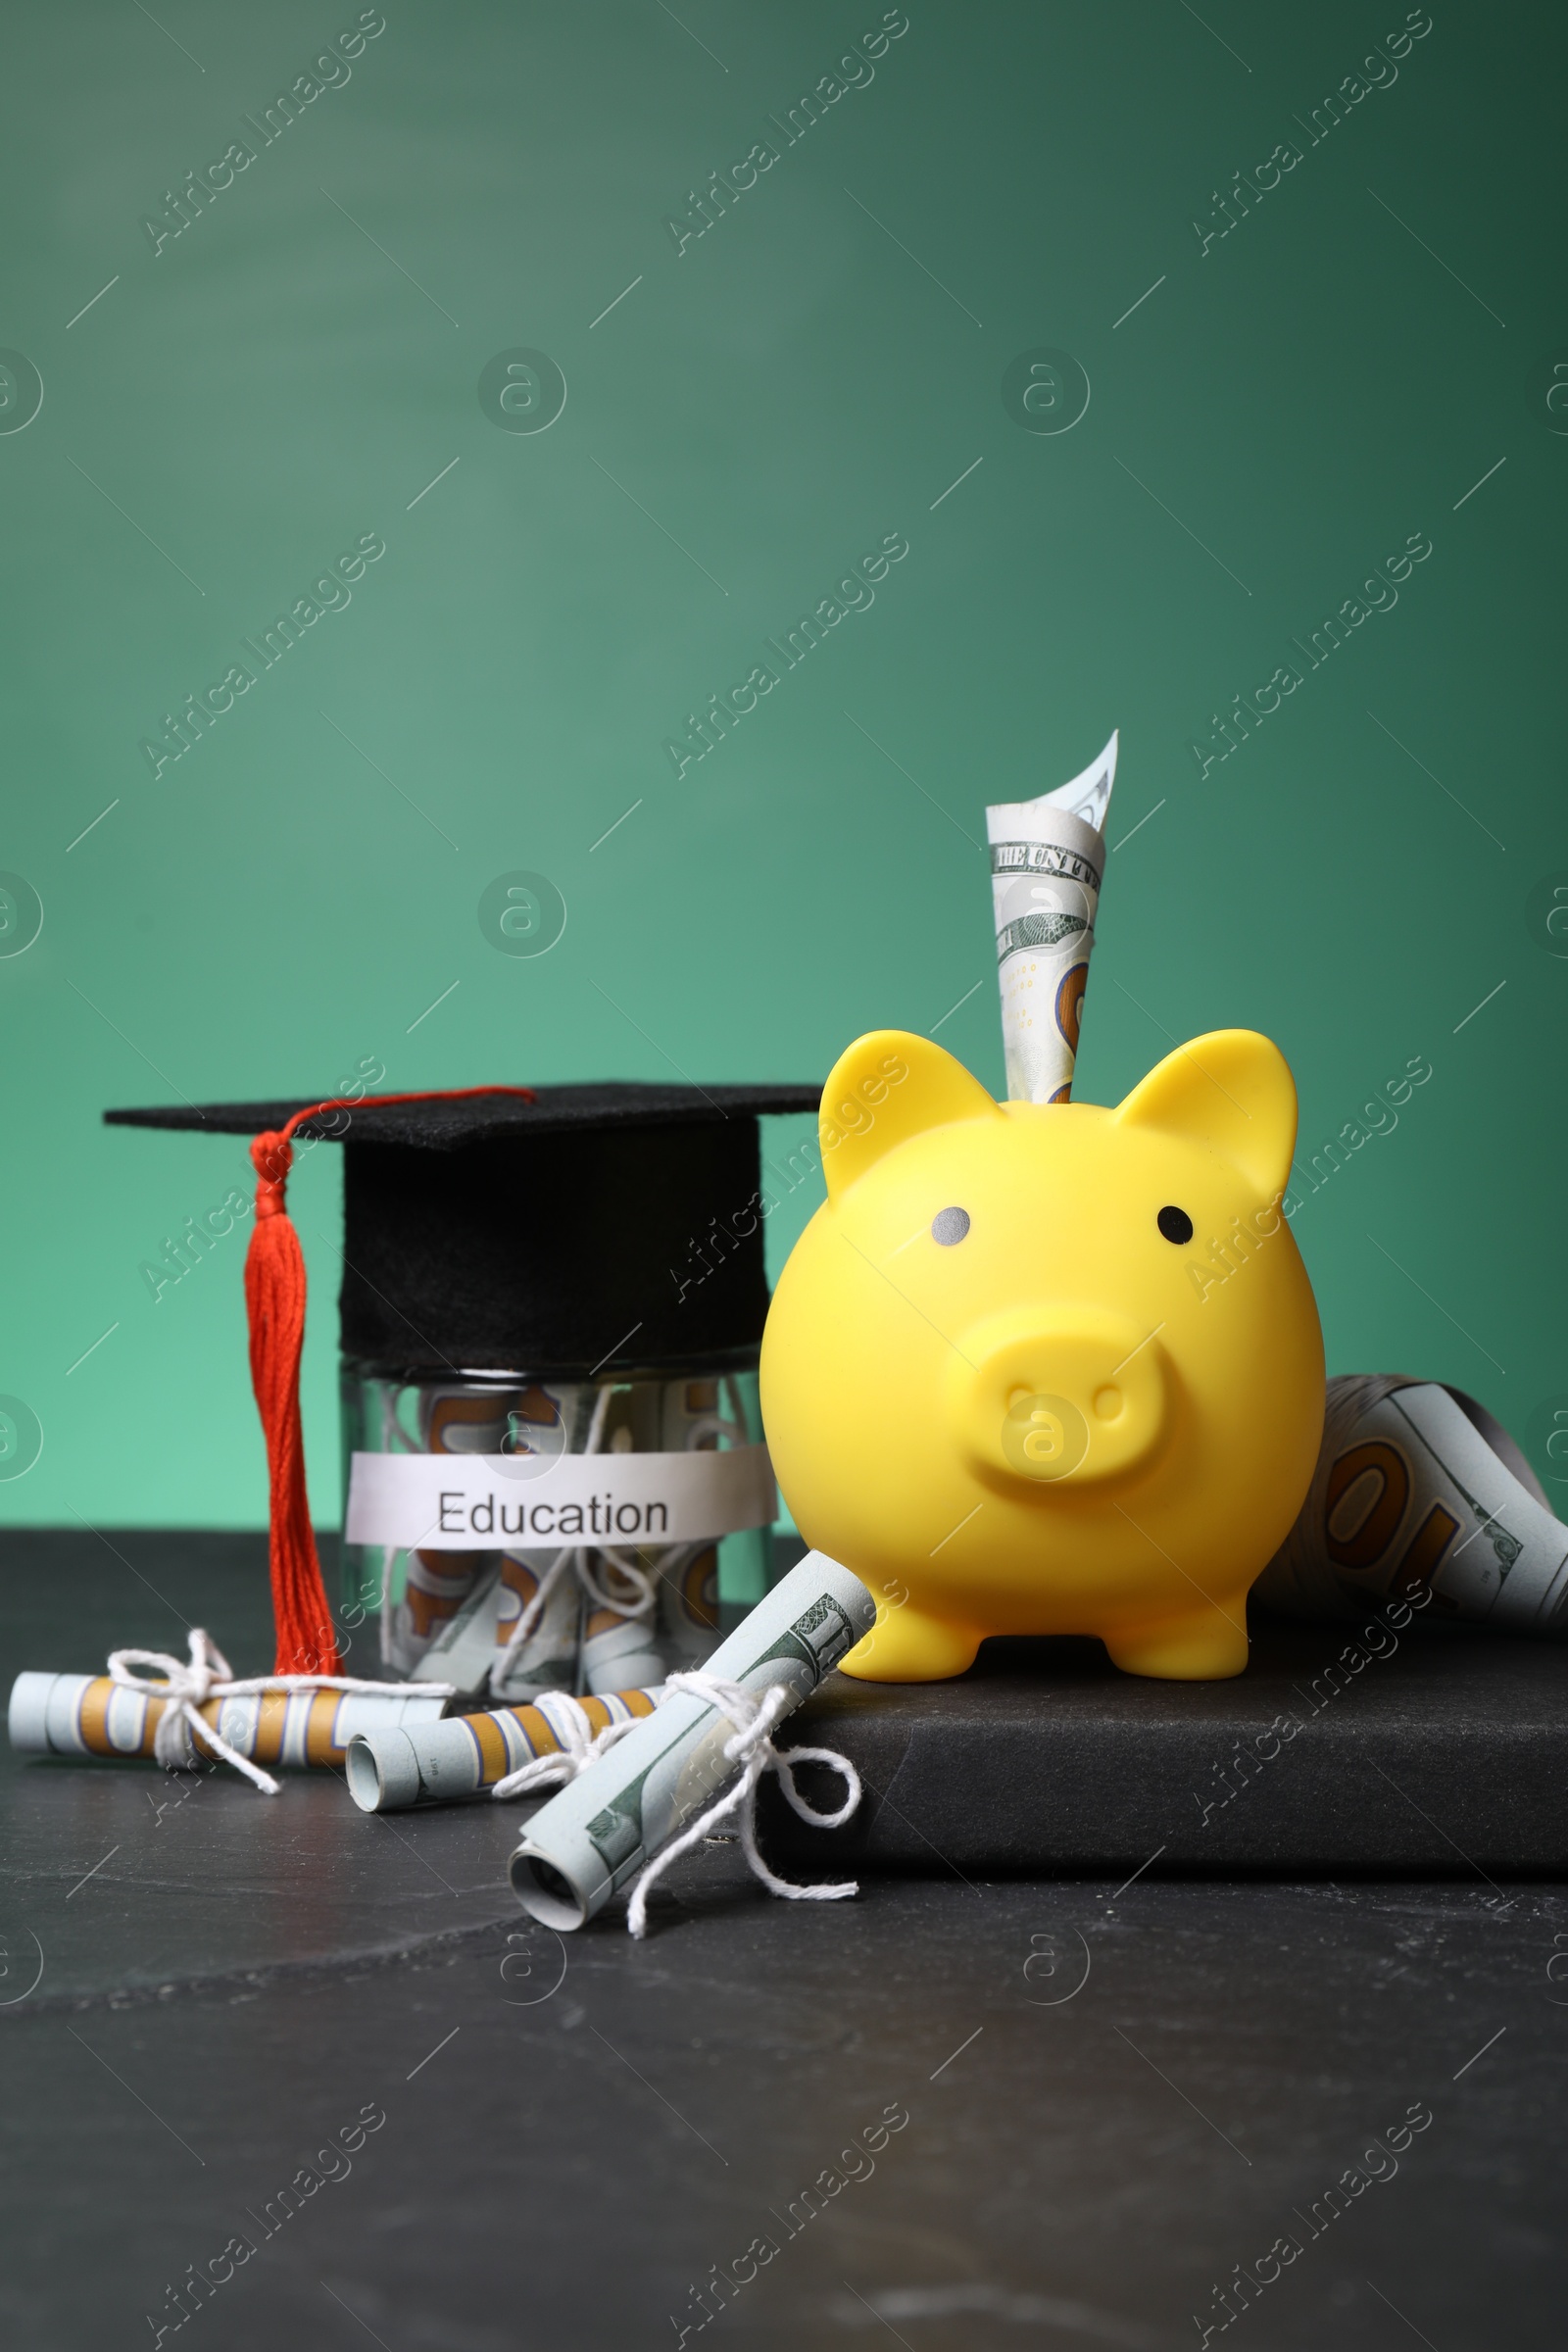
{"x": 1073, "y": 1395}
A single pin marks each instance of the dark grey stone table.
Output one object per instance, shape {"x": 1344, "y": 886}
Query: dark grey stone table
{"x": 1117, "y": 2094}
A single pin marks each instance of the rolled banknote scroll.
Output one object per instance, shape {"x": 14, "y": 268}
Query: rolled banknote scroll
{"x": 586, "y": 1844}
{"x": 1047, "y": 859}
{"x": 1418, "y": 1486}
{"x": 93, "y": 1715}
{"x": 432, "y": 1763}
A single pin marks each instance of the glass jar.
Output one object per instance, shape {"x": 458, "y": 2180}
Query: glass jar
{"x": 640, "y": 1586}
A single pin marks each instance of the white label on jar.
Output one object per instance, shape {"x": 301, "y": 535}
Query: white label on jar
{"x": 483, "y": 1502}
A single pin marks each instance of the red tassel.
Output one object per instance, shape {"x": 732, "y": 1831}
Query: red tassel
{"x": 274, "y": 1302}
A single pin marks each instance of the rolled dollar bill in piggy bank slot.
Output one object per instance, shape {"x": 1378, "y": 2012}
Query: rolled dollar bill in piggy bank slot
{"x": 1047, "y": 860}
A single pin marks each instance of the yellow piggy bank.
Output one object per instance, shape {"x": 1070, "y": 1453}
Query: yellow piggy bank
{"x": 1049, "y": 1368}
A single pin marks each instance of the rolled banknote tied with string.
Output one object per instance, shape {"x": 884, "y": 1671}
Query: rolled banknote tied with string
{"x": 93, "y": 1715}
{"x": 1419, "y": 1491}
{"x": 1047, "y": 859}
{"x": 590, "y": 1840}
{"x": 424, "y": 1763}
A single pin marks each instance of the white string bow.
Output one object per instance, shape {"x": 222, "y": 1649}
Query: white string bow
{"x": 580, "y": 1746}
{"x": 187, "y": 1685}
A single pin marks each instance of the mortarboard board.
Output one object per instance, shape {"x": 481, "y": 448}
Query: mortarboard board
{"x": 555, "y": 1229}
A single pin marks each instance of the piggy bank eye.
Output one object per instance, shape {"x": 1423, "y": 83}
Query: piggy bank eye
{"x": 1175, "y": 1224}
{"x": 949, "y": 1225}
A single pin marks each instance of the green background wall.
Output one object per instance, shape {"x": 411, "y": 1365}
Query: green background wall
{"x": 1281, "y": 413}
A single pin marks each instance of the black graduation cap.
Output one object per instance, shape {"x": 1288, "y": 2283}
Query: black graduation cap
{"x": 563, "y": 1230}
{"x": 553, "y": 1235}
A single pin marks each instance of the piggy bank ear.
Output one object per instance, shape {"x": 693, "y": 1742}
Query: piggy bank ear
{"x": 1232, "y": 1094}
{"x": 889, "y": 1086}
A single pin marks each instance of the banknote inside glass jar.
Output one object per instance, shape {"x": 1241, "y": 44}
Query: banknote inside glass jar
{"x": 607, "y": 1611}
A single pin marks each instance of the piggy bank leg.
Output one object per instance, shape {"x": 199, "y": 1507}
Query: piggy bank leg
{"x": 1204, "y": 1646}
{"x": 907, "y": 1646}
